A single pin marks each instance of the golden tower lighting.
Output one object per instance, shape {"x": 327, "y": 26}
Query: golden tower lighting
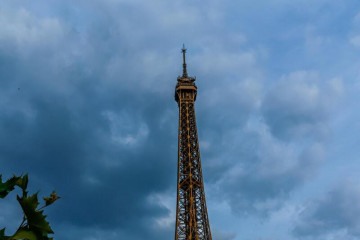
{"x": 192, "y": 222}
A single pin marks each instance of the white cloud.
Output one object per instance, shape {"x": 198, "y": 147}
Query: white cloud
{"x": 263, "y": 165}
{"x": 226, "y": 62}
{"x": 263, "y": 170}
{"x": 300, "y": 104}
{"x": 355, "y": 40}
{"x": 21, "y": 29}
{"x": 314, "y": 41}
{"x": 168, "y": 202}
{"x": 126, "y": 130}
{"x": 220, "y": 235}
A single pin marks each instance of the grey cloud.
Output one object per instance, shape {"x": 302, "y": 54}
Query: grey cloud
{"x": 264, "y": 159}
{"x": 336, "y": 214}
{"x": 262, "y": 171}
{"x": 223, "y": 235}
{"x": 87, "y": 109}
{"x": 101, "y": 182}
{"x": 71, "y": 148}
{"x": 299, "y": 105}
{"x": 59, "y": 129}
{"x": 73, "y": 122}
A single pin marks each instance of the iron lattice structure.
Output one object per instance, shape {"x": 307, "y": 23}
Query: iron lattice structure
{"x": 192, "y": 222}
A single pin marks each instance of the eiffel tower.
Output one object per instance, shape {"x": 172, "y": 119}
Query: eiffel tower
{"x": 192, "y": 222}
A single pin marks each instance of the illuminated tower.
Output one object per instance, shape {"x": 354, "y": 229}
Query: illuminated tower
{"x": 192, "y": 222}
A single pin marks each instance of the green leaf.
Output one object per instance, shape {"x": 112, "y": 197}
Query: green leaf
{"x": 22, "y": 182}
{"x": 51, "y": 199}
{"x": 7, "y": 186}
{"x": 2, "y": 235}
{"x": 35, "y": 218}
{"x": 24, "y": 234}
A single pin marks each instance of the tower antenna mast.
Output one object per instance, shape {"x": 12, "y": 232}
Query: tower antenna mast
{"x": 183, "y": 50}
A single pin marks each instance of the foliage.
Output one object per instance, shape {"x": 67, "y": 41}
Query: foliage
{"x": 34, "y": 225}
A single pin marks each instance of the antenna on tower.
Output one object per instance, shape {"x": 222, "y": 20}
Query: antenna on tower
{"x": 183, "y": 50}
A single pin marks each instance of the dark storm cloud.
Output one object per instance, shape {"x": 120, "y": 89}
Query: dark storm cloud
{"x": 93, "y": 118}
{"x": 70, "y": 147}
{"x": 102, "y": 141}
{"x": 87, "y": 108}
{"x": 335, "y": 215}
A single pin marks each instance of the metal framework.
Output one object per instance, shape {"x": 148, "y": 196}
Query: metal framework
{"x": 192, "y": 222}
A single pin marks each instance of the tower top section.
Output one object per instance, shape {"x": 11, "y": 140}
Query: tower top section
{"x": 185, "y": 89}
{"x": 185, "y": 77}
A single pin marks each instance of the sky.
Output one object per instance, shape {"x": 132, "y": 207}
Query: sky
{"x": 87, "y": 109}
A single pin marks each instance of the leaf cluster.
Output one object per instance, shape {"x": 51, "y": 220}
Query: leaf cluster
{"x": 34, "y": 225}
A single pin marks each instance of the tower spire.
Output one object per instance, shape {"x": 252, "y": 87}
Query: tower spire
{"x": 184, "y": 61}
